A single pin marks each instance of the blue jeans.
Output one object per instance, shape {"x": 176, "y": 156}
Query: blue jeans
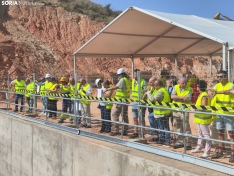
{"x": 163, "y": 124}
{"x": 153, "y": 122}
{"x": 44, "y": 102}
{"x": 17, "y": 96}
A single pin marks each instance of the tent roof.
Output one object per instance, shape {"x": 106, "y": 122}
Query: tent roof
{"x": 145, "y": 33}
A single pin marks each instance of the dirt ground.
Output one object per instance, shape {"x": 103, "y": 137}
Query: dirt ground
{"x": 96, "y": 126}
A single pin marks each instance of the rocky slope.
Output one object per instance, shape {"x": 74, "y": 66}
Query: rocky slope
{"x": 41, "y": 39}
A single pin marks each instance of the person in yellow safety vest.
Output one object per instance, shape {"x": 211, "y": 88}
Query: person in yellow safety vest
{"x": 29, "y": 90}
{"x": 44, "y": 86}
{"x": 181, "y": 94}
{"x": 20, "y": 86}
{"x": 161, "y": 116}
{"x": 203, "y": 120}
{"x": 52, "y": 100}
{"x": 122, "y": 91}
{"x": 137, "y": 111}
{"x": 85, "y": 90}
{"x": 65, "y": 89}
{"x": 224, "y": 98}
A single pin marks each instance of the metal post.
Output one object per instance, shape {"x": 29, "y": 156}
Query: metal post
{"x": 132, "y": 67}
{"x": 75, "y": 92}
{"x": 122, "y": 115}
{"x": 224, "y": 57}
{"x": 210, "y": 67}
{"x": 176, "y": 71}
{"x": 139, "y": 97}
{"x": 8, "y": 92}
{"x": 229, "y": 70}
{"x": 34, "y": 96}
{"x": 184, "y": 128}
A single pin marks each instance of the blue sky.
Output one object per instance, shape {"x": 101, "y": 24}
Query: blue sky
{"x": 202, "y": 8}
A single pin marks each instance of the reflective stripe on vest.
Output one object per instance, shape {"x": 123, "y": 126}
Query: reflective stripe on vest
{"x": 30, "y": 88}
{"x": 52, "y": 88}
{"x": 223, "y": 100}
{"x": 85, "y": 88}
{"x": 166, "y": 99}
{"x": 125, "y": 94}
{"x": 19, "y": 85}
{"x": 203, "y": 119}
{"x": 184, "y": 93}
{"x": 135, "y": 89}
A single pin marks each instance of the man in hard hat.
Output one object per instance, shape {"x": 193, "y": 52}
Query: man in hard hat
{"x": 85, "y": 90}
{"x": 224, "y": 91}
{"x": 181, "y": 94}
{"x": 161, "y": 94}
{"x": 65, "y": 89}
{"x": 19, "y": 85}
{"x": 136, "y": 110}
{"x": 72, "y": 92}
{"x": 122, "y": 91}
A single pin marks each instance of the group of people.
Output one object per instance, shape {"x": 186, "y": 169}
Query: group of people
{"x": 45, "y": 85}
{"x": 220, "y": 94}
{"x": 178, "y": 91}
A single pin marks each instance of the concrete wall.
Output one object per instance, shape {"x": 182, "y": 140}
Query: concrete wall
{"x": 29, "y": 149}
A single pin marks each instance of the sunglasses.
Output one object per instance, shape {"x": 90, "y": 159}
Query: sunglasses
{"x": 221, "y": 76}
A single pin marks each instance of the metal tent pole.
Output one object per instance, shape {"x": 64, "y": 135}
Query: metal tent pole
{"x": 224, "y": 57}
{"x": 176, "y": 71}
{"x": 132, "y": 67}
{"x": 75, "y": 90}
{"x": 229, "y": 70}
{"x": 210, "y": 67}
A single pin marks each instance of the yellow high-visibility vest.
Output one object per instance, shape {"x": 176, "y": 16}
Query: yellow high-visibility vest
{"x": 52, "y": 88}
{"x": 85, "y": 88}
{"x": 166, "y": 99}
{"x": 135, "y": 89}
{"x": 203, "y": 119}
{"x": 19, "y": 85}
{"x": 125, "y": 94}
{"x": 184, "y": 93}
{"x": 224, "y": 100}
{"x": 30, "y": 88}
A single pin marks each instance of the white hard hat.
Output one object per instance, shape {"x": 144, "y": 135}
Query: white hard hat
{"x": 120, "y": 71}
{"x": 97, "y": 81}
{"x": 47, "y": 75}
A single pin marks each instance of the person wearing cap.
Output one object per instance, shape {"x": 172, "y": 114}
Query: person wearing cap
{"x": 122, "y": 91}
{"x": 19, "y": 85}
{"x": 65, "y": 89}
{"x": 85, "y": 90}
{"x": 137, "y": 111}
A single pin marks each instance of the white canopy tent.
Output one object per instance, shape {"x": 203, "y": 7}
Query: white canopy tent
{"x": 144, "y": 33}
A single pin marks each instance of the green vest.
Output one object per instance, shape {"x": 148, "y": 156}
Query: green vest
{"x": 166, "y": 99}
{"x": 19, "y": 86}
{"x": 203, "y": 119}
{"x": 30, "y": 88}
{"x": 72, "y": 91}
{"x": 85, "y": 88}
{"x": 135, "y": 89}
{"x": 125, "y": 94}
{"x": 48, "y": 85}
